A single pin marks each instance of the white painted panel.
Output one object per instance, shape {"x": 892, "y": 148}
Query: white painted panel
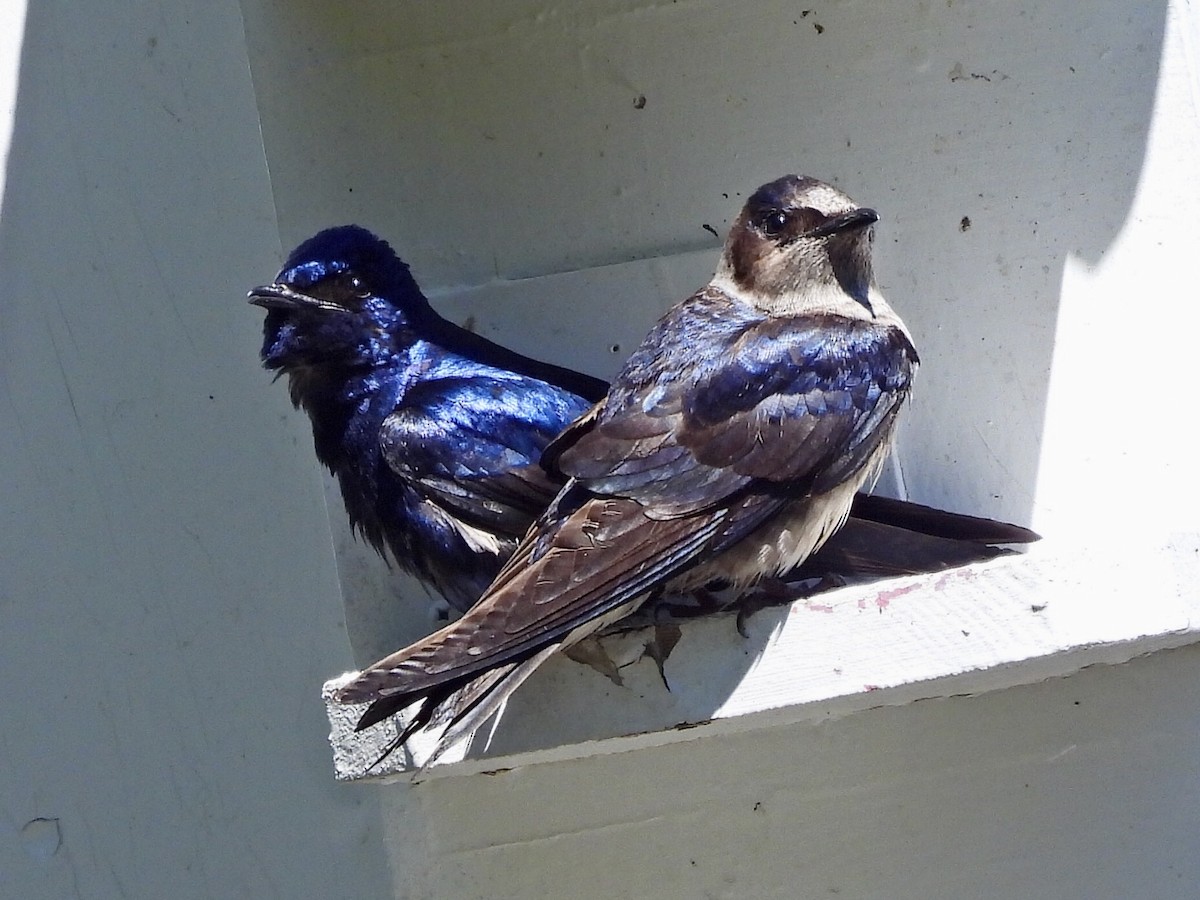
{"x": 1073, "y": 789}
{"x": 168, "y": 597}
{"x": 1032, "y": 166}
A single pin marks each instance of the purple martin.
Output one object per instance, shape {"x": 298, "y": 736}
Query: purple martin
{"x": 728, "y": 449}
{"x": 434, "y": 433}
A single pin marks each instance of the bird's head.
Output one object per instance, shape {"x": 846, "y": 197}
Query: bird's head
{"x": 343, "y": 296}
{"x": 800, "y": 245}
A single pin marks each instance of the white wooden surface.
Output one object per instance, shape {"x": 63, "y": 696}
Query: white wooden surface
{"x": 168, "y": 595}
{"x": 168, "y": 587}
{"x": 1031, "y": 165}
{"x": 1072, "y": 788}
{"x": 1010, "y": 621}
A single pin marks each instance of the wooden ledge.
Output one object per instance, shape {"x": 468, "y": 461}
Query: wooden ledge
{"x": 1009, "y": 621}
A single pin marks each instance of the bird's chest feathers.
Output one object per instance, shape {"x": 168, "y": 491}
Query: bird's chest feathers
{"x": 369, "y": 400}
{"x": 785, "y": 541}
{"x": 347, "y": 411}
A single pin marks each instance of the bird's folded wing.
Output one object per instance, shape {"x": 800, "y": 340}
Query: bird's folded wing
{"x": 604, "y": 556}
{"x": 472, "y": 444}
{"x": 797, "y": 405}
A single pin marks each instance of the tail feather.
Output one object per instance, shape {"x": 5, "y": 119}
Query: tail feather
{"x": 469, "y": 708}
{"x": 938, "y": 522}
{"x": 865, "y": 549}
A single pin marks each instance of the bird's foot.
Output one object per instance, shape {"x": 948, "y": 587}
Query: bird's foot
{"x": 659, "y": 647}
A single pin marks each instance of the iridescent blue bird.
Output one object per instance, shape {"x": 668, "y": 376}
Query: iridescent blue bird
{"x": 434, "y": 433}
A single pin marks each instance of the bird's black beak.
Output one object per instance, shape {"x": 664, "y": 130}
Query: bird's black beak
{"x": 280, "y": 296}
{"x": 856, "y": 218}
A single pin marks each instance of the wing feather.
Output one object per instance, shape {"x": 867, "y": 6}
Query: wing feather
{"x": 472, "y": 444}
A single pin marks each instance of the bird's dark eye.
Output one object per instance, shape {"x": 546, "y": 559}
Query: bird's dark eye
{"x": 356, "y": 285}
{"x": 774, "y": 223}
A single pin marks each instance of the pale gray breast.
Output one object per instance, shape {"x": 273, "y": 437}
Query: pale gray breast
{"x": 785, "y": 541}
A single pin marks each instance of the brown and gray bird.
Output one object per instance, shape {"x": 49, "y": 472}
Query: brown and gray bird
{"x": 729, "y": 448}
